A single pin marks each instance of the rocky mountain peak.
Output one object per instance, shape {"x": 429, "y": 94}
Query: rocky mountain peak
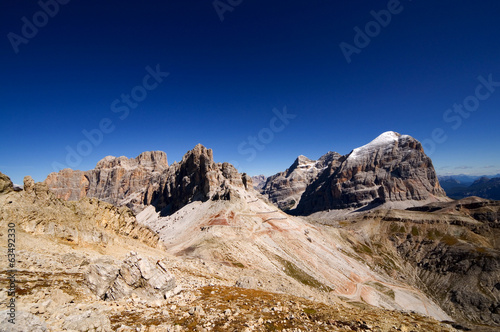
{"x": 391, "y": 168}
{"x": 327, "y": 158}
{"x": 384, "y": 143}
{"x": 153, "y": 159}
{"x": 198, "y": 159}
{"x": 259, "y": 181}
{"x": 198, "y": 177}
{"x": 302, "y": 162}
{"x": 286, "y": 188}
{"x": 199, "y": 152}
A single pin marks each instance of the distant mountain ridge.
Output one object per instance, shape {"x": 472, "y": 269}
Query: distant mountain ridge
{"x": 259, "y": 181}
{"x": 286, "y": 188}
{"x": 463, "y": 179}
{"x": 484, "y": 187}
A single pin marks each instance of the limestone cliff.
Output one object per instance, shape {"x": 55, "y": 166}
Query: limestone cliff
{"x": 148, "y": 180}
{"x": 117, "y": 180}
{"x": 391, "y": 168}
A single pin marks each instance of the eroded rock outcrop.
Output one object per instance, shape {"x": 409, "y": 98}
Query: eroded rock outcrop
{"x": 197, "y": 178}
{"x": 68, "y": 184}
{"x": 38, "y": 211}
{"x": 117, "y": 180}
{"x": 5, "y": 184}
{"x": 136, "y": 275}
{"x": 148, "y": 180}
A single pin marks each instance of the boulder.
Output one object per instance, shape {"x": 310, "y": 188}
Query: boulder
{"x": 135, "y": 276}
{"x": 5, "y": 184}
{"x": 24, "y": 321}
{"x": 88, "y": 320}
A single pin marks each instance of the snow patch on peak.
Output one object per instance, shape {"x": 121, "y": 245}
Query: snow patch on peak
{"x": 301, "y": 160}
{"x": 386, "y": 140}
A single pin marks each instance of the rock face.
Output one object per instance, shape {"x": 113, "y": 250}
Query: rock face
{"x": 448, "y": 249}
{"x": 148, "y": 180}
{"x": 5, "y": 184}
{"x": 136, "y": 275}
{"x": 259, "y": 181}
{"x": 68, "y": 184}
{"x": 483, "y": 187}
{"x": 391, "y": 168}
{"x": 286, "y": 188}
{"x": 119, "y": 181}
{"x": 197, "y": 178}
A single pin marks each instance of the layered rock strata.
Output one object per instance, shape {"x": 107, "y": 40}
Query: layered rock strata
{"x": 391, "y": 168}
{"x": 148, "y": 180}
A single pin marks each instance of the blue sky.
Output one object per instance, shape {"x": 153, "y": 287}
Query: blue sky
{"x": 267, "y": 83}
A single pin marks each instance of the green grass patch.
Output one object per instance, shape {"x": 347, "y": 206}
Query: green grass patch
{"x": 449, "y": 240}
{"x": 365, "y": 249}
{"x": 309, "y": 311}
{"x": 434, "y": 234}
{"x": 394, "y": 228}
{"x": 382, "y": 289}
{"x": 296, "y": 273}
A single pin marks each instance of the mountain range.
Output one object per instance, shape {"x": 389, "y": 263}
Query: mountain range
{"x": 464, "y": 178}
{"x": 364, "y": 241}
{"x": 485, "y": 187}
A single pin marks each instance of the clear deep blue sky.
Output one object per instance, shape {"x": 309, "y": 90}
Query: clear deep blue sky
{"x": 226, "y": 77}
